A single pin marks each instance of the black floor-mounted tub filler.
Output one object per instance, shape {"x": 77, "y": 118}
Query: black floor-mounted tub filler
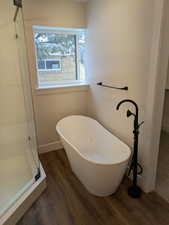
{"x": 134, "y": 191}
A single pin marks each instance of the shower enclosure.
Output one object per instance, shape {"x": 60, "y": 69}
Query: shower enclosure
{"x": 19, "y": 162}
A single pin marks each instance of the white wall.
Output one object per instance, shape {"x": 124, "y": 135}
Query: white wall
{"x": 51, "y": 106}
{"x": 120, "y": 35}
{"x": 57, "y": 13}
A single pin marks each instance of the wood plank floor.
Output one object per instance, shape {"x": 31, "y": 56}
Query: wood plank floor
{"x": 66, "y": 202}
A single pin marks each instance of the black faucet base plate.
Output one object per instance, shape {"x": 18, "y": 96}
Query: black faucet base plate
{"x": 134, "y": 192}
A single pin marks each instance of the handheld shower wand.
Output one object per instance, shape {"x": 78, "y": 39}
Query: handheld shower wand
{"x": 134, "y": 191}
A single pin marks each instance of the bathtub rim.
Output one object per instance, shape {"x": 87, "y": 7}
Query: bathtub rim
{"x": 89, "y": 160}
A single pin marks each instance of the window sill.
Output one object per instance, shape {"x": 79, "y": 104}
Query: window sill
{"x": 61, "y": 88}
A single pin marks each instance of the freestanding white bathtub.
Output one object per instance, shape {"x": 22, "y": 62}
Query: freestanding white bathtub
{"x": 98, "y": 158}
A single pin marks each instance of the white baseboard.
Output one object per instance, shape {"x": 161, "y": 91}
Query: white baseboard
{"x": 50, "y": 147}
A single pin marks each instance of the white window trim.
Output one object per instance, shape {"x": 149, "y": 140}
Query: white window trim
{"x": 62, "y": 88}
{"x": 73, "y": 31}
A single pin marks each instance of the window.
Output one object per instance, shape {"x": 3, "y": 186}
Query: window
{"x": 60, "y": 55}
{"x": 48, "y": 65}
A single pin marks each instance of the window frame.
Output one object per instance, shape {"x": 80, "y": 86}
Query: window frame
{"x": 71, "y": 31}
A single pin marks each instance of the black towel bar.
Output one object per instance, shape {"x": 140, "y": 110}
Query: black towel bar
{"x": 108, "y": 86}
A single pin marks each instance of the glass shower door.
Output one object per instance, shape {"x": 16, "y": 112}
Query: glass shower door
{"x": 25, "y": 79}
{"x": 19, "y": 163}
